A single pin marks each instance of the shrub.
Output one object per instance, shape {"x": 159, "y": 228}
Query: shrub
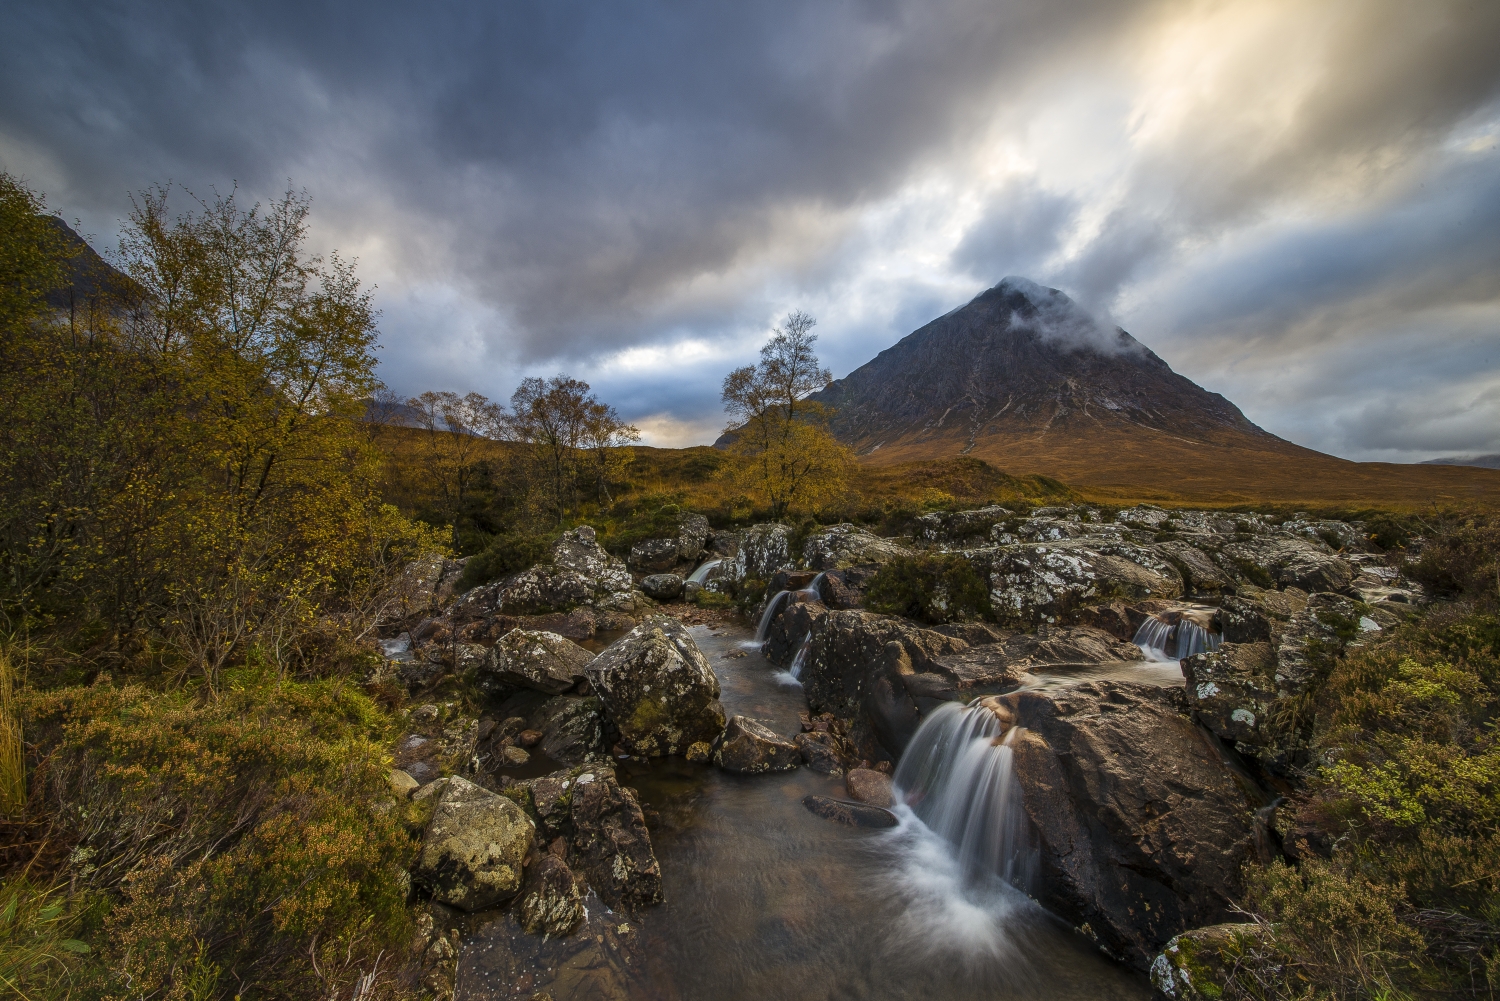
{"x": 505, "y": 554}
{"x": 1461, "y": 561}
{"x": 929, "y": 588}
{"x": 249, "y": 843}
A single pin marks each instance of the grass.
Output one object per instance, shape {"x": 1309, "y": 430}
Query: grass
{"x": 12, "y": 750}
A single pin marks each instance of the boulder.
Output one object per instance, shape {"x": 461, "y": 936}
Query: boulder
{"x": 1251, "y": 614}
{"x": 692, "y": 536}
{"x": 763, "y": 550}
{"x": 611, "y": 842}
{"x": 1042, "y": 583}
{"x": 525, "y": 658}
{"x": 653, "y": 556}
{"x": 1142, "y": 825}
{"x": 550, "y": 903}
{"x": 845, "y": 588}
{"x": 658, "y": 689}
{"x": 1288, "y": 561}
{"x": 424, "y": 587}
{"x": 1060, "y": 648}
{"x": 663, "y": 586}
{"x": 576, "y": 572}
{"x": 1202, "y": 964}
{"x": 956, "y": 527}
{"x": 571, "y": 729}
{"x": 402, "y": 783}
{"x": 1312, "y": 638}
{"x": 870, "y": 787}
{"x": 848, "y": 545}
{"x": 820, "y": 752}
{"x": 1232, "y": 690}
{"x": 1200, "y": 574}
{"x": 474, "y": 847}
{"x": 849, "y": 814}
{"x": 580, "y": 552}
{"x": 751, "y": 748}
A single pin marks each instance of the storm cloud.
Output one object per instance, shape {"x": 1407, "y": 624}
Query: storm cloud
{"x": 1294, "y": 204}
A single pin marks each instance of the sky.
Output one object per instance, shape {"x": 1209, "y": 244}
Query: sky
{"x": 1295, "y": 204}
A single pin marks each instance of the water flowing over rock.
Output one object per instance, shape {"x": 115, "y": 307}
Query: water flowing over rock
{"x": 474, "y": 848}
{"x": 525, "y": 658}
{"x": 1177, "y": 632}
{"x": 751, "y": 748}
{"x": 1141, "y": 824}
{"x": 658, "y": 689}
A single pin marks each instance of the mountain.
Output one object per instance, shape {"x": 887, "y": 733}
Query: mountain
{"x": 1023, "y": 377}
{"x": 1482, "y": 461}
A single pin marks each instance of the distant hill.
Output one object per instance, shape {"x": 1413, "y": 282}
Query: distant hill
{"x": 89, "y": 276}
{"x": 1482, "y": 461}
{"x": 1023, "y": 377}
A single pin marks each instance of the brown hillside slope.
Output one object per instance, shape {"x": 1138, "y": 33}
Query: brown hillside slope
{"x": 1026, "y": 380}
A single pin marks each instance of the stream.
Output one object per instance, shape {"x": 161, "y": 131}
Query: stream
{"x": 766, "y": 901}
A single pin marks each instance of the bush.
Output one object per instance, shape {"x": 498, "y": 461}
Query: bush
{"x": 1461, "y": 561}
{"x": 929, "y": 588}
{"x": 506, "y": 554}
{"x": 249, "y": 843}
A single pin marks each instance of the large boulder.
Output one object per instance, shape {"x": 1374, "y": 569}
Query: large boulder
{"x": 658, "y": 689}
{"x": 572, "y": 729}
{"x": 947, "y": 528}
{"x": 848, "y": 545}
{"x": 526, "y": 658}
{"x": 1232, "y": 690}
{"x": 763, "y": 550}
{"x": 692, "y": 536}
{"x": 550, "y": 903}
{"x": 751, "y": 748}
{"x": 663, "y": 586}
{"x": 1142, "y": 825}
{"x": 611, "y": 842}
{"x": 653, "y": 556}
{"x": 424, "y": 587}
{"x": 1030, "y": 584}
{"x": 474, "y": 848}
{"x": 1200, "y": 574}
{"x": 1289, "y": 561}
{"x": 577, "y": 572}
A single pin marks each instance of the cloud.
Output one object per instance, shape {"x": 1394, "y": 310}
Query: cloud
{"x": 636, "y": 194}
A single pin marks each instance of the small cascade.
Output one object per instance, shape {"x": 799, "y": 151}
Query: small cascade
{"x": 800, "y": 659}
{"x": 956, "y": 776}
{"x": 700, "y": 574}
{"x": 773, "y": 608}
{"x": 811, "y": 590}
{"x": 1176, "y": 634}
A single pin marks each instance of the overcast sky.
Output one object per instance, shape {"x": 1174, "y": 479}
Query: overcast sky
{"x": 1296, "y": 204}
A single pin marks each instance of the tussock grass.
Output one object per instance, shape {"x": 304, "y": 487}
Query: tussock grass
{"x": 12, "y": 750}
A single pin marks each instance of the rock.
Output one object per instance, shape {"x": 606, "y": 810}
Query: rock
{"x": 1232, "y": 690}
{"x": 1145, "y": 515}
{"x": 1313, "y": 637}
{"x": 763, "y": 550}
{"x": 1042, "y": 583}
{"x": 845, "y": 588}
{"x": 653, "y": 556}
{"x": 550, "y": 903}
{"x": 690, "y": 590}
{"x": 529, "y": 738}
{"x": 870, "y": 787}
{"x": 699, "y": 753}
{"x": 424, "y": 587}
{"x": 1253, "y": 614}
{"x": 658, "y": 689}
{"x": 1059, "y": 648}
{"x": 1200, "y": 574}
{"x": 663, "y": 586}
{"x": 1115, "y": 617}
{"x": 956, "y": 527}
{"x": 1142, "y": 825}
{"x": 692, "y": 534}
{"x": 572, "y": 729}
{"x": 611, "y": 841}
{"x": 848, "y": 545}
{"x": 542, "y": 661}
{"x": 514, "y": 756}
{"x": 577, "y": 572}
{"x": 402, "y": 783}
{"x": 973, "y": 633}
{"x": 1202, "y": 964}
{"x": 472, "y": 853}
{"x": 849, "y": 814}
{"x": 820, "y": 752}
{"x": 751, "y": 748}
{"x": 580, "y": 552}
{"x": 1289, "y": 561}
{"x": 723, "y": 543}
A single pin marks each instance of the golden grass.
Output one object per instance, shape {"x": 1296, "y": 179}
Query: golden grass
{"x": 12, "y": 754}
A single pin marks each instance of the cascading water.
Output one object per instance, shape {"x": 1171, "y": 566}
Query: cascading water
{"x": 700, "y": 574}
{"x": 801, "y": 658}
{"x": 773, "y": 608}
{"x": 956, "y": 776}
{"x": 1171, "y": 636}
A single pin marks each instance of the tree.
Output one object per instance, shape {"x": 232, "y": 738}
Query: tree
{"x": 573, "y": 436}
{"x": 790, "y": 455}
{"x": 455, "y": 431}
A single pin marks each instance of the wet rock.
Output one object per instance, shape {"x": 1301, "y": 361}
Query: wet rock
{"x": 611, "y": 842}
{"x": 653, "y": 556}
{"x": 1202, "y": 964}
{"x": 1114, "y": 617}
{"x": 1252, "y": 615}
{"x": 663, "y": 586}
{"x": 699, "y": 753}
{"x": 973, "y": 633}
{"x": 820, "y": 752}
{"x": 1042, "y": 583}
{"x": 958, "y": 677}
{"x": 1060, "y": 648}
{"x": 848, "y": 545}
{"x": 550, "y": 903}
{"x": 763, "y": 550}
{"x": 1233, "y": 689}
{"x": 870, "y": 787}
{"x": 474, "y": 847}
{"x": 501, "y": 961}
{"x": 751, "y": 748}
{"x": 658, "y": 689}
{"x": 849, "y": 814}
{"x": 1142, "y": 825}
{"x": 542, "y": 661}
{"x": 514, "y": 756}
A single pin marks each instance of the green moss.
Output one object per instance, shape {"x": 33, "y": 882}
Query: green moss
{"x": 929, "y": 588}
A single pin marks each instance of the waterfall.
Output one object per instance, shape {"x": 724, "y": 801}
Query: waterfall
{"x": 1172, "y": 635}
{"x": 812, "y": 587}
{"x": 801, "y": 658}
{"x": 956, "y": 776}
{"x": 698, "y": 575}
{"x": 769, "y": 615}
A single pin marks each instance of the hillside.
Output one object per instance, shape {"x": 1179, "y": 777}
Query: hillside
{"x": 1027, "y": 380}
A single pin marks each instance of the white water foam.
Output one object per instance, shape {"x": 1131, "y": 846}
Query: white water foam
{"x": 1165, "y": 641}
